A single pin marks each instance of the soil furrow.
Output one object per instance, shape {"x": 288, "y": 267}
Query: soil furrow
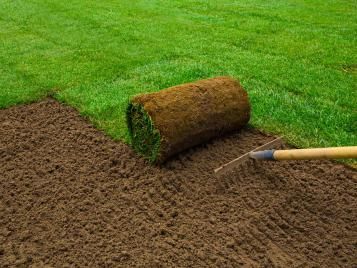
{"x": 71, "y": 196}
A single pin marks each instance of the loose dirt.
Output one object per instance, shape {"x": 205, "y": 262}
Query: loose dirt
{"x": 70, "y": 196}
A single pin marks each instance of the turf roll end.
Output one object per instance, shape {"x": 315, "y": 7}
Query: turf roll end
{"x": 145, "y": 138}
{"x": 164, "y": 123}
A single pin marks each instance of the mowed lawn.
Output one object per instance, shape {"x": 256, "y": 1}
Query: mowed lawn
{"x": 297, "y": 59}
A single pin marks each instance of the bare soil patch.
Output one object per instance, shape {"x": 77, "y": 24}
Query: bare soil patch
{"x": 70, "y": 196}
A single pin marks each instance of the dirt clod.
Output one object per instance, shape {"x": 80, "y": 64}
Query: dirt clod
{"x": 70, "y": 196}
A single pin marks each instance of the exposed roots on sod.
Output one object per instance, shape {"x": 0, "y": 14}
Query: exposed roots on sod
{"x": 165, "y": 123}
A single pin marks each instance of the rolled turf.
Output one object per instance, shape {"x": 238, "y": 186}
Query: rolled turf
{"x": 164, "y": 123}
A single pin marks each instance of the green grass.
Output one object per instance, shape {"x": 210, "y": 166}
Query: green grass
{"x": 145, "y": 138}
{"x": 297, "y": 59}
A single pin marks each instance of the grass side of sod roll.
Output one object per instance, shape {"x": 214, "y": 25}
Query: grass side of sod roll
{"x": 297, "y": 59}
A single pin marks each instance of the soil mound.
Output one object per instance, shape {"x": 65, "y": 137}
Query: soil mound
{"x": 70, "y": 196}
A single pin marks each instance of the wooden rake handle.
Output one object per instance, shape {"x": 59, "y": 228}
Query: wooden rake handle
{"x": 306, "y": 154}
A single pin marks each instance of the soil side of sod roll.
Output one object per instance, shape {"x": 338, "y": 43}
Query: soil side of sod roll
{"x": 164, "y": 123}
{"x": 72, "y": 197}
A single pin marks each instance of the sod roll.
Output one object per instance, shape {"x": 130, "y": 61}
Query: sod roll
{"x": 164, "y": 123}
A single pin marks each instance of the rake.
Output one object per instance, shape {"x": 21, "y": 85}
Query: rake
{"x": 265, "y": 153}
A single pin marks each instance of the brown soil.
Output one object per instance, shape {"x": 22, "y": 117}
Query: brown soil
{"x": 70, "y": 196}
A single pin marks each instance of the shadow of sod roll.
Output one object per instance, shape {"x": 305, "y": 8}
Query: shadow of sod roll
{"x": 164, "y": 123}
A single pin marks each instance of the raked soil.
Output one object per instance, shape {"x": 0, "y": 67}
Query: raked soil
{"x": 72, "y": 197}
